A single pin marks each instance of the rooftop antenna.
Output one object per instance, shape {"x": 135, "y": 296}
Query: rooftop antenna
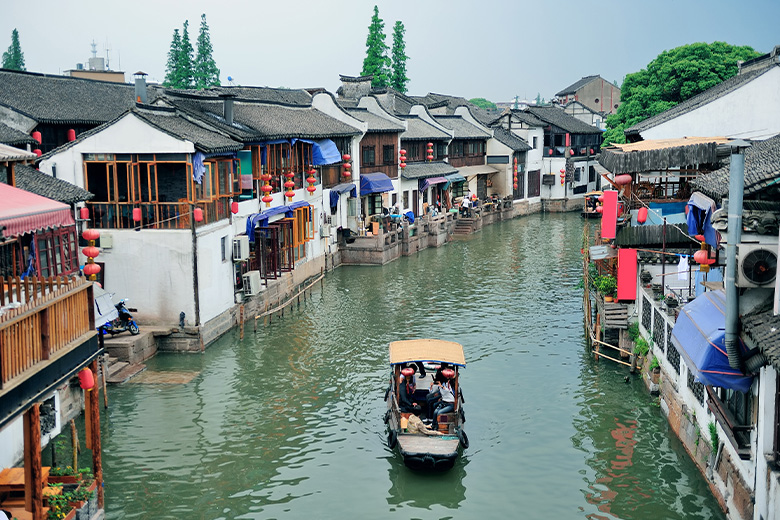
{"x": 108, "y": 53}
{"x": 94, "y": 49}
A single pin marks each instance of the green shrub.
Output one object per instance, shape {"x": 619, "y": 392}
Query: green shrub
{"x": 633, "y": 331}
{"x": 606, "y": 284}
{"x": 654, "y": 363}
{"x": 713, "y": 436}
{"x": 641, "y": 348}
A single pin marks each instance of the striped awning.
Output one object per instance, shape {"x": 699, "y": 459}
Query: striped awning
{"x": 22, "y": 212}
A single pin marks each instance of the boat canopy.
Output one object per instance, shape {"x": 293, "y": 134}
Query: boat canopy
{"x": 411, "y": 350}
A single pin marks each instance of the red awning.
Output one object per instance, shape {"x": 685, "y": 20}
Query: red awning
{"x": 23, "y": 212}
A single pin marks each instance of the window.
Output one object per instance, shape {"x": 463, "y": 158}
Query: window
{"x": 223, "y": 243}
{"x": 388, "y": 154}
{"x": 536, "y": 142}
{"x": 405, "y": 199}
{"x": 519, "y": 193}
{"x": 458, "y": 189}
{"x": 374, "y": 204}
{"x": 441, "y": 150}
{"x": 534, "y": 183}
{"x": 591, "y": 174}
{"x": 369, "y": 158}
{"x": 56, "y": 251}
{"x": 457, "y": 148}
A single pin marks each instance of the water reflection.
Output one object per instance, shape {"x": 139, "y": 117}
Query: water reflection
{"x": 425, "y": 490}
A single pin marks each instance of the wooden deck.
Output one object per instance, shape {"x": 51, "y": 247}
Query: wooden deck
{"x": 411, "y": 443}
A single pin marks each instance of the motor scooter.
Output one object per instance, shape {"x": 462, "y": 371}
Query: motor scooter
{"x": 124, "y": 322}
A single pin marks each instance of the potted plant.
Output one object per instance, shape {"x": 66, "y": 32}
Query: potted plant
{"x": 59, "y": 508}
{"x": 646, "y": 278}
{"x": 655, "y": 370}
{"x": 607, "y": 286}
{"x": 64, "y": 475}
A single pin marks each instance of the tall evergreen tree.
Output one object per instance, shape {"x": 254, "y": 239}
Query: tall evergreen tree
{"x": 376, "y": 63}
{"x": 13, "y": 58}
{"x": 186, "y": 60}
{"x": 172, "y": 66}
{"x": 206, "y": 71}
{"x": 398, "y": 78}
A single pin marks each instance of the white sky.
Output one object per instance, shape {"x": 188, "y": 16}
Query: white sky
{"x": 488, "y": 48}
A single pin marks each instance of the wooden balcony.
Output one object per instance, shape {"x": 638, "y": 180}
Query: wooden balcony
{"x": 46, "y": 334}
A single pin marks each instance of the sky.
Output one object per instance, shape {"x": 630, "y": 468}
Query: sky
{"x": 495, "y": 49}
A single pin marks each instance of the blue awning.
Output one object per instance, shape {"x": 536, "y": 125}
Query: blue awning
{"x": 337, "y": 190}
{"x": 453, "y": 178}
{"x": 261, "y": 219}
{"x": 700, "y": 336}
{"x": 430, "y": 181}
{"x": 323, "y": 151}
{"x": 374, "y": 183}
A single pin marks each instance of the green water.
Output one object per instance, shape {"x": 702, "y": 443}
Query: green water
{"x": 288, "y": 422}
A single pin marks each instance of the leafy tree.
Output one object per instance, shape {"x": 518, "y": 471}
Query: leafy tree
{"x": 398, "y": 78}
{"x": 538, "y": 99}
{"x": 483, "y": 103}
{"x": 206, "y": 71}
{"x": 171, "y": 67}
{"x": 185, "y": 64}
{"x": 672, "y": 77}
{"x": 13, "y": 58}
{"x": 376, "y": 62}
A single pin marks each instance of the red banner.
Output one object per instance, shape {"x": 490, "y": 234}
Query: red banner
{"x": 609, "y": 214}
{"x": 626, "y": 274}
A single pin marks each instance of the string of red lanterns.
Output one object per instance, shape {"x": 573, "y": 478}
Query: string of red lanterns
{"x": 563, "y": 176}
{"x": 514, "y": 177}
{"x": 266, "y": 188}
{"x": 311, "y": 179}
{"x": 430, "y": 152}
{"x": 402, "y": 154}
{"x": 347, "y": 173}
{"x": 91, "y": 269}
{"x": 290, "y": 185}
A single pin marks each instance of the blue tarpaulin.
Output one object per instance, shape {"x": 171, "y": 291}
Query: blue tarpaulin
{"x": 430, "y": 181}
{"x": 375, "y": 183}
{"x": 261, "y": 219}
{"x": 700, "y": 336}
{"x": 323, "y": 151}
{"x": 337, "y": 190}
{"x": 453, "y": 178}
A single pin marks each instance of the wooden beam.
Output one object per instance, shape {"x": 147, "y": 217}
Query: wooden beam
{"x": 33, "y": 474}
{"x": 97, "y": 459}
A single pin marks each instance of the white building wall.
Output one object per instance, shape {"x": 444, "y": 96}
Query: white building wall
{"x": 534, "y": 156}
{"x": 750, "y": 112}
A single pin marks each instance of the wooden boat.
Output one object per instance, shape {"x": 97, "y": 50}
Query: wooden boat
{"x": 429, "y": 359}
{"x": 589, "y": 209}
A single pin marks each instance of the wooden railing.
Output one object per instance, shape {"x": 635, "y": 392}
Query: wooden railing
{"x": 155, "y": 215}
{"x": 39, "y": 318}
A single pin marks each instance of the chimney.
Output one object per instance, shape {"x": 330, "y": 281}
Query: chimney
{"x": 140, "y": 87}
{"x": 227, "y": 113}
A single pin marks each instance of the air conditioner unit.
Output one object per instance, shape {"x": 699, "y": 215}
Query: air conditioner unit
{"x": 252, "y": 282}
{"x": 240, "y": 248}
{"x": 756, "y": 265}
{"x": 324, "y": 230}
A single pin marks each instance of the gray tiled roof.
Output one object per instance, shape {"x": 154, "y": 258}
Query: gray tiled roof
{"x": 763, "y": 330}
{"x": 432, "y": 100}
{"x": 762, "y": 172}
{"x": 421, "y": 170}
{"x": 393, "y": 101}
{"x": 511, "y": 139}
{"x": 697, "y": 101}
{"x": 574, "y": 87}
{"x": 346, "y": 102}
{"x": 527, "y": 118}
{"x": 375, "y": 122}
{"x": 65, "y": 100}
{"x": 260, "y": 121}
{"x": 462, "y": 128}
{"x": 14, "y": 137}
{"x": 419, "y": 130}
{"x": 561, "y": 119}
{"x": 11, "y": 153}
{"x": 34, "y": 181}
{"x": 287, "y": 96}
{"x": 172, "y": 123}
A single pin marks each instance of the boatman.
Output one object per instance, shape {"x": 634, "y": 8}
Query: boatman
{"x": 406, "y": 394}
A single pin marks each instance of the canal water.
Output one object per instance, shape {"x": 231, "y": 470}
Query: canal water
{"x": 287, "y": 423}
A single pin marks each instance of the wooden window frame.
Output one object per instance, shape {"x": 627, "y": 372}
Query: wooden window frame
{"x": 388, "y": 154}
{"x": 368, "y": 156}
{"x": 61, "y": 240}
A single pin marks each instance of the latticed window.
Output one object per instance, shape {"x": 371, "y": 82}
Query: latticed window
{"x": 696, "y": 388}
{"x": 659, "y": 328}
{"x": 647, "y": 309}
{"x": 668, "y": 333}
{"x": 674, "y": 357}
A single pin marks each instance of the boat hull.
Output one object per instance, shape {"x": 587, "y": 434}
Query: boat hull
{"x": 424, "y": 452}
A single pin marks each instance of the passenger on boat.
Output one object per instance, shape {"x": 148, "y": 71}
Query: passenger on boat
{"x": 434, "y": 397}
{"x": 447, "y": 403}
{"x": 406, "y": 393}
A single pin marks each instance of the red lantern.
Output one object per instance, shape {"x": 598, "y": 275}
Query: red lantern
{"x": 403, "y": 165}
{"x": 346, "y": 157}
{"x": 601, "y": 198}
{"x": 84, "y": 213}
{"x": 90, "y": 234}
{"x": 234, "y": 207}
{"x": 562, "y": 170}
{"x": 591, "y": 151}
{"x": 430, "y": 157}
{"x": 702, "y": 257}
{"x": 197, "y": 213}
{"x": 599, "y": 209}
{"x": 91, "y": 251}
{"x": 549, "y": 151}
{"x": 311, "y": 189}
{"x": 37, "y": 136}
{"x": 289, "y": 194}
{"x": 71, "y": 134}
{"x": 514, "y": 185}
{"x": 571, "y": 151}
{"x": 311, "y": 180}
{"x": 86, "y": 379}
{"x": 267, "y": 188}
{"x": 289, "y": 185}
{"x": 403, "y": 151}
{"x": 407, "y": 372}
{"x": 430, "y": 145}
{"x": 641, "y": 216}
{"x": 266, "y": 177}
{"x": 622, "y": 180}
{"x": 448, "y": 373}
{"x": 137, "y": 214}
{"x": 91, "y": 269}
{"x": 37, "y": 152}
{"x": 267, "y": 199}
{"x": 700, "y": 238}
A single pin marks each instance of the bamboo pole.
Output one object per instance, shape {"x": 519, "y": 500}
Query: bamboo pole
{"x": 74, "y": 439}
{"x": 288, "y": 301}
